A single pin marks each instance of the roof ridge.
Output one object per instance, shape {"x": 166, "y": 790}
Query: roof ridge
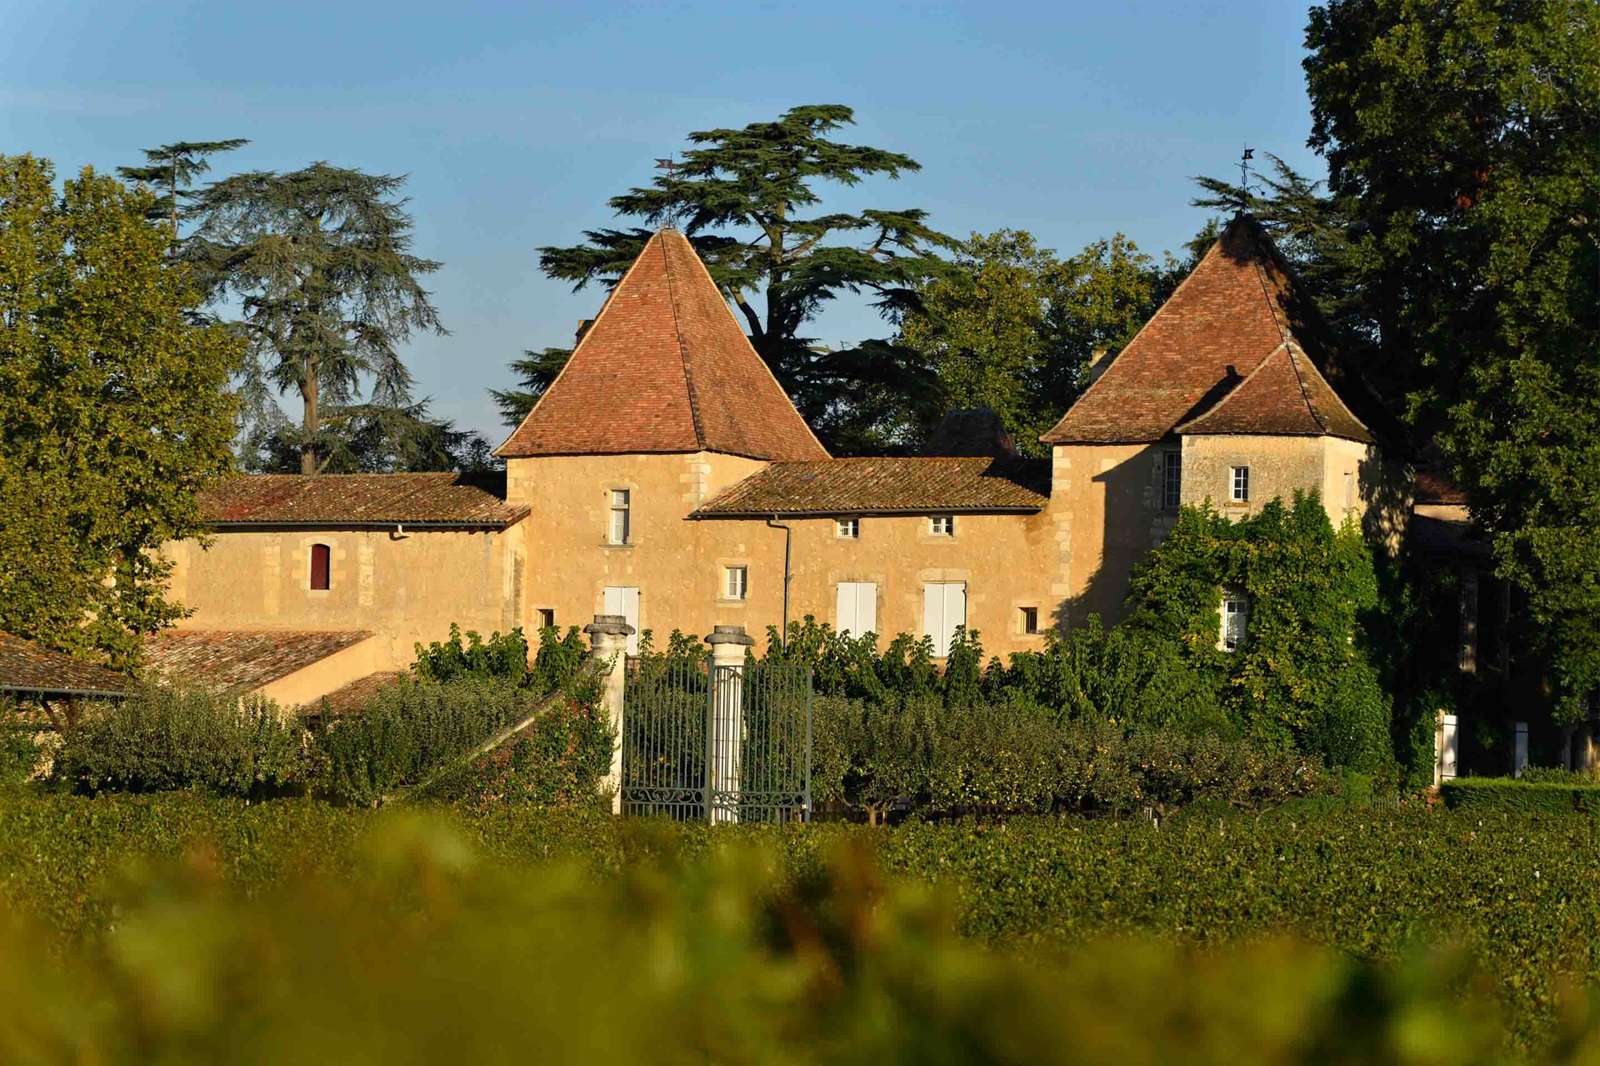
{"x": 683, "y": 345}
{"x": 1237, "y": 389}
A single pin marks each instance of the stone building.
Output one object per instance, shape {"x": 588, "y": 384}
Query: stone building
{"x": 666, "y": 477}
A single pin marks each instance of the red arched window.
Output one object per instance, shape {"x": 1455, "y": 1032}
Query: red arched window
{"x": 319, "y": 566}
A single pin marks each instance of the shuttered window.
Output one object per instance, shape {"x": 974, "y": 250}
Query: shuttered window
{"x": 944, "y": 610}
{"x": 624, "y": 600}
{"x": 858, "y": 607}
{"x": 320, "y": 555}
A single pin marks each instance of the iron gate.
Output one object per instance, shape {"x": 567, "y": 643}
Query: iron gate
{"x": 718, "y": 743}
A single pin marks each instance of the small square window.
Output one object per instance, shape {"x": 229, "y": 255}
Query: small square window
{"x": 1235, "y": 621}
{"x": 1241, "y": 485}
{"x": 847, "y": 528}
{"x": 1172, "y": 481}
{"x": 942, "y": 525}
{"x": 736, "y": 582}
{"x": 547, "y": 617}
{"x": 621, "y": 514}
{"x": 1030, "y": 620}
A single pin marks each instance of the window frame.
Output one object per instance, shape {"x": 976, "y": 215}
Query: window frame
{"x": 624, "y": 511}
{"x": 1238, "y": 484}
{"x": 1030, "y": 621}
{"x": 1172, "y": 480}
{"x": 547, "y": 618}
{"x": 854, "y": 524}
{"x": 728, "y": 591}
{"x": 947, "y": 520}
{"x": 1236, "y": 604}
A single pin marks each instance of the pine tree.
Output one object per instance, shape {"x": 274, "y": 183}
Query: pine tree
{"x": 321, "y": 262}
{"x": 741, "y": 195}
{"x": 172, "y": 167}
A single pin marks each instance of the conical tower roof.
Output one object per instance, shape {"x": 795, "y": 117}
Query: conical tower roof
{"x": 1237, "y": 309}
{"x": 1285, "y": 396}
{"x": 665, "y": 368}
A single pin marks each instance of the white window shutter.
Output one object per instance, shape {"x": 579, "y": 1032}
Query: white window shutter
{"x": 846, "y": 607}
{"x": 955, "y": 609}
{"x": 933, "y": 617}
{"x": 866, "y": 607}
{"x": 624, "y": 600}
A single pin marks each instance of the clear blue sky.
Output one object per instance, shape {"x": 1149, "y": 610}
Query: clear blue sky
{"x": 516, "y": 122}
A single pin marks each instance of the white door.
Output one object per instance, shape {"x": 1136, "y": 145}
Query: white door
{"x": 944, "y": 608}
{"x": 1449, "y": 747}
{"x": 624, "y": 600}
{"x": 858, "y": 607}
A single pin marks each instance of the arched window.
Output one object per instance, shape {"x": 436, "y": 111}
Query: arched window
{"x": 319, "y": 566}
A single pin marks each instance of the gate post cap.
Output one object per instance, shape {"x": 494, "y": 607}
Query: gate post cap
{"x": 614, "y": 624}
{"x": 729, "y": 635}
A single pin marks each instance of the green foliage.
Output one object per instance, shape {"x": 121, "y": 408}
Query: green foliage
{"x": 741, "y": 195}
{"x": 320, "y": 261}
{"x": 161, "y": 738}
{"x": 1301, "y": 677}
{"x": 1460, "y": 140}
{"x": 534, "y": 371}
{"x": 1505, "y": 795}
{"x": 933, "y": 757}
{"x": 388, "y": 911}
{"x": 19, "y": 755}
{"x": 172, "y": 168}
{"x": 503, "y": 658}
{"x": 411, "y": 730}
{"x": 113, "y": 411}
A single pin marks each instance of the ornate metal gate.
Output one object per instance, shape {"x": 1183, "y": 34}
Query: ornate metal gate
{"x": 718, "y": 743}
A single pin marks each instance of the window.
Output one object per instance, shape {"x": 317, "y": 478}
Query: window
{"x": 942, "y": 525}
{"x": 847, "y": 528}
{"x": 1235, "y": 618}
{"x": 735, "y": 582}
{"x": 1030, "y": 621}
{"x": 624, "y": 600}
{"x": 944, "y": 610}
{"x": 320, "y": 555}
{"x": 1172, "y": 481}
{"x": 620, "y": 506}
{"x": 858, "y": 607}
{"x": 547, "y": 617}
{"x": 1241, "y": 485}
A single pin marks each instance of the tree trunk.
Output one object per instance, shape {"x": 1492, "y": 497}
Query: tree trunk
{"x": 308, "y": 447}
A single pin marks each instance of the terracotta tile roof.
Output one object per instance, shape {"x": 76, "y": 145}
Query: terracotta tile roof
{"x": 26, "y": 667}
{"x": 1284, "y": 396}
{"x": 665, "y": 368}
{"x": 886, "y": 486}
{"x": 354, "y": 695}
{"x": 1237, "y": 307}
{"x": 455, "y": 500}
{"x": 1431, "y": 486}
{"x": 241, "y": 659}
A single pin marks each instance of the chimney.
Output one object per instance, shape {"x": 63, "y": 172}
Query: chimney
{"x": 1098, "y": 362}
{"x": 583, "y": 327}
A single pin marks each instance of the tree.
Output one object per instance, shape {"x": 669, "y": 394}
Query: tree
{"x": 113, "y": 411}
{"x": 535, "y": 371}
{"x": 1463, "y": 139}
{"x": 173, "y": 167}
{"x": 1010, "y": 327}
{"x": 321, "y": 260}
{"x": 741, "y": 196}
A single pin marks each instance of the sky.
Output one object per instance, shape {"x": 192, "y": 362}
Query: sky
{"x": 516, "y": 122}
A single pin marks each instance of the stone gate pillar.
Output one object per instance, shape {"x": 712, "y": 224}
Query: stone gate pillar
{"x": 608, "y": 635}
{"x": 728, "y": 644}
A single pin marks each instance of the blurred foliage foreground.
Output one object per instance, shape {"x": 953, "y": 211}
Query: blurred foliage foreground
{"x": 288, "y": 932}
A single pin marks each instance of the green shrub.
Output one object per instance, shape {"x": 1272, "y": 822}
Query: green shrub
{"x": 1506, "y": 795}
{"x": 19, "y": 755}
{"x": 503, "y": 658}
{"x": 162, "y": 738}
{"x": 408, "y": 731}
{"x": 917, "y": 753}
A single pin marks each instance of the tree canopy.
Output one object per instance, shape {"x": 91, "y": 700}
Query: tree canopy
{"x": 173, "y": 167}
{"x": 1463, "y": 145}
{"x": 749, "y": 200}
{"x": 113, "y": 411}
{"x": 1010, "y": 327}
{"x": 321, "y": 262}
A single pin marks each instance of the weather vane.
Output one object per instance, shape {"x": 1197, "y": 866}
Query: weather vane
{"x": 1244, "y": 177}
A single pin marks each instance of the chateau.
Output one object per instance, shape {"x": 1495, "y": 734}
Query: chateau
{"x": 666, "y": 477}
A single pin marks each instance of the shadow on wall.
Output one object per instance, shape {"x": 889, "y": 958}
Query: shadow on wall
{"x": 1386, "y": 492}
{"x": 1127, "y": 533}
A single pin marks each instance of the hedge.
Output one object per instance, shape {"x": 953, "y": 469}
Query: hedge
{"x": 1506, "y": 795}
{"x": 1518, "y": 892}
